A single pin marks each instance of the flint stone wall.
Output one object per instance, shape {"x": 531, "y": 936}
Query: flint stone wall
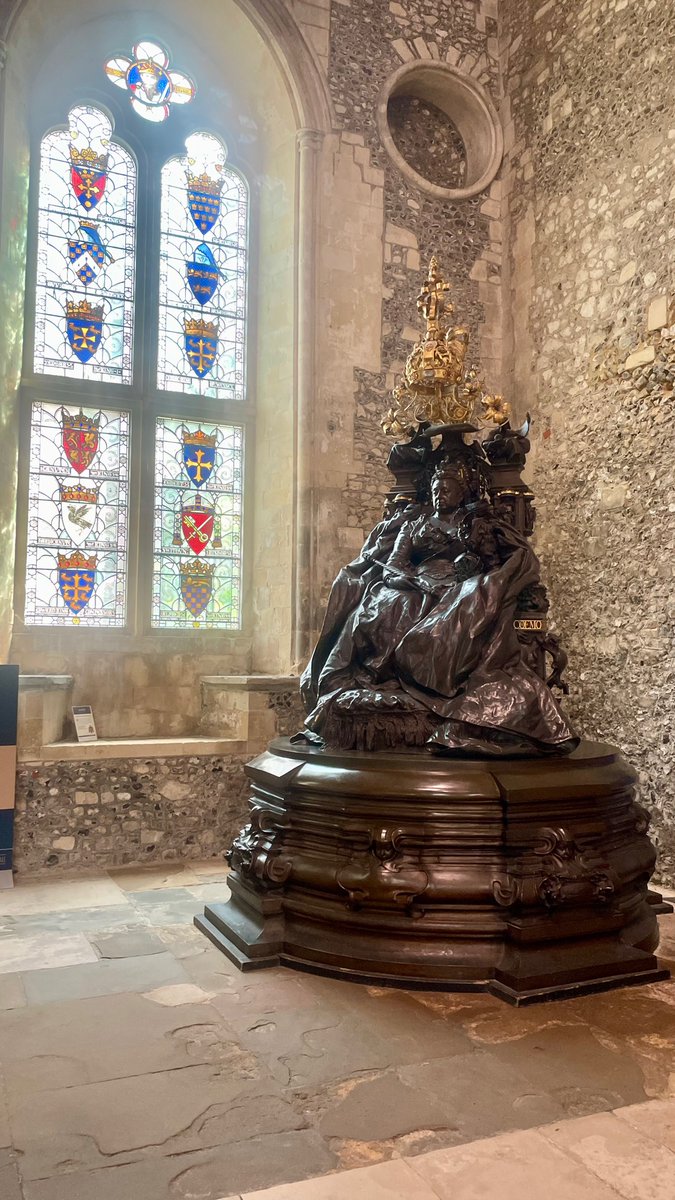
{"x": 590, "y": 142}
{"x": 72, "y": 815}
{"x": 368, "y": 42}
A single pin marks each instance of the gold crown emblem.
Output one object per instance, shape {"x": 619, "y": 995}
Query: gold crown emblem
{"x": 199, "y": 438}
{"x": 196, "y": 571}
{"x": 78, "y": 494}
{"x": 83, "y": 309}
{"x": 204, "y": 183}
{"x": 198, "y": 327}
{"x": 78, "y": 559}
{"x": 80, "y": 421}
{"x": 87, "y": 157}
{"x": 439, "y": 387}
{"x": 88, "y": 224}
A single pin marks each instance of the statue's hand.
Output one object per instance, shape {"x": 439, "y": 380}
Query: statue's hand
{"x": 394, "y": 579}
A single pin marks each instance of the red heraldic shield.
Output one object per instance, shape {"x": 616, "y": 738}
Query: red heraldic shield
{"x": 197, "y": 525}
{"x": 80, "y": 440}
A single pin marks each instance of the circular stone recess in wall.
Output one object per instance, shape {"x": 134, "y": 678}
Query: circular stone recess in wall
{"x": 466, "y": 106}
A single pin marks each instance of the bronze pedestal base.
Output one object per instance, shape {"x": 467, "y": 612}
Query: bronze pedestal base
{"x": 526, "y": 878}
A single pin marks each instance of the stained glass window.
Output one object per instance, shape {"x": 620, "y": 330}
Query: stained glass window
{"x": 152, "y": 85}
{"x": 78, "y": 516}
{"x": 202, "y": 273}
{"x": 86, "y": 236}
{"x": 198, "y": 511}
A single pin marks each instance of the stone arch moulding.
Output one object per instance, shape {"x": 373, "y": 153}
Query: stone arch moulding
{"x": 470, "y": 109}
{"x": 307, "y": 87}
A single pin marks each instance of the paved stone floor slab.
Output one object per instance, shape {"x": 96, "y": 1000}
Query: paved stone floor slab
{"x": 126, "y": 1120}
{"x": 510, "y": 1167}
{"x": 211, "y": 869}
{"x": 102, "y": 978}
{"x": 107, "y": 918}
{"x": 170, "y": 1075}
{"x": 129, "y": 944}
{"x": 111, "y": 1037}
{"x": 386, "y": 1181}
{"x": 6, "y": 1152}
{"x": 142, "y": 879}
{"x": 59, "y": 895}
{"x": 655, "y": 1120}
{"x": 183, "y": 941}
{"x": 634, "y": 1165}
{"x": 43, "y": 951}
{"x": 10, "y": 1188}
{"x": 166, "y": 906}
{"x": 256, "y": 1162}
{"x": 12, "y": 994}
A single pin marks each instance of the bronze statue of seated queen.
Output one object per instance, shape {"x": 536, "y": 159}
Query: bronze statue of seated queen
{"x": 437, "y": 823}
{"x": 425, "y": 651}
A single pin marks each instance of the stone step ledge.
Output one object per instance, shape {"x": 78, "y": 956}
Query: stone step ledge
{"x": 105, "y": 748}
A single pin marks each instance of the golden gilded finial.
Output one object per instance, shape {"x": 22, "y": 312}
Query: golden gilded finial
{"x": 495, "y": 409}
{"x": 438, "y": 387}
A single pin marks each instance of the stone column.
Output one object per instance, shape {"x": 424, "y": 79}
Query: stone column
{"x": 309, "y": 143}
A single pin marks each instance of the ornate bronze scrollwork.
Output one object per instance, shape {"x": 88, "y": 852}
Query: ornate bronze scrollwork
{"x": 254, "y": 853}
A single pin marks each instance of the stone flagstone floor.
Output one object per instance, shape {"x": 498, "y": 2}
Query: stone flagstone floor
{"x": 136, "y": 1063}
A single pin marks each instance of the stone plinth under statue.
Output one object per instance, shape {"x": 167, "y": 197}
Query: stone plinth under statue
{"x": 526, "y": 878}
{"x": 438, "y": 822}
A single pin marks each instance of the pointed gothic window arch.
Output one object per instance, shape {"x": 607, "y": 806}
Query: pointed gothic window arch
{"x": 134, "y": 496}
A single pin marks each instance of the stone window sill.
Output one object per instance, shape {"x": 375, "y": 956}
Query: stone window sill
{"x": 104, "y": 748}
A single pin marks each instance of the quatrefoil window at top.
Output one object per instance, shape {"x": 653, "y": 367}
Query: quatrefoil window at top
{"x": 153, "y": 87}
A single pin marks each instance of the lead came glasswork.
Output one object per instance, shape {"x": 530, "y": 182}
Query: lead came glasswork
{"x": 78, "y": 517}
{"x": 153, "y": 86}
{"x": 198, "y": 516}
{"x": 86, "y": 241}
{"x": 203, "y": 273}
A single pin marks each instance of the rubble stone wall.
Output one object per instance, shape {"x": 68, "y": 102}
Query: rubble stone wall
{"x": 368, "y": 42}
{"x": 590, "y": 184}
{"x": 79, "y": 815}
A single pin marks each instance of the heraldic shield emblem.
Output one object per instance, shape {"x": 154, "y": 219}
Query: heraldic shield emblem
{"x": 201, "y": 345}
{"x": 204, "y": 200}
{"x": 203, "y": 274}
{"x": 77, "y": 577}
{"x": 199, "y": 455}
{"x": 199, "y": 525}
{"x": 88, "y": 175}
{"x": 84, "y": 326}
{"x": 78, "y": 511}
{"x": 79, "y": 440}
{"x": 196, "y": 586}
{"x": 90, "y": 249}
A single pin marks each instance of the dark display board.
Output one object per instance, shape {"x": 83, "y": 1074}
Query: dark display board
{"x": 9, "y": 695}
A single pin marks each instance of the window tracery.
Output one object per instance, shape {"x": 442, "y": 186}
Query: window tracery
{"x": 82, "y": 508}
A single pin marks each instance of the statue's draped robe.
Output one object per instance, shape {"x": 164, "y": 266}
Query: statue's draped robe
{"x": 403, "y": 634}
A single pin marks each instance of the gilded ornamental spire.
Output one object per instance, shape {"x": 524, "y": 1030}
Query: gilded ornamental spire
{"x": 439, "y": 387}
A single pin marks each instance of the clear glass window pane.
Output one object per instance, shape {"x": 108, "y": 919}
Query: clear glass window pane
{"x": 86, "y": 239}
{"x": 76, "y": 568}
{"x": 198, "y": 525}
{"x": 202, "y": 289}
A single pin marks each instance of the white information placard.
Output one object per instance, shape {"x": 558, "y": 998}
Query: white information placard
{"x": 84, "y": 723}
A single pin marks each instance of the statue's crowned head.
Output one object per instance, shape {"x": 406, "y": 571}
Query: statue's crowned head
{"x": 455, "y": 481}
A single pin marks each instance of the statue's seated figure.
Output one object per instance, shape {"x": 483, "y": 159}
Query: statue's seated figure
{"x": 418, "y": 646}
